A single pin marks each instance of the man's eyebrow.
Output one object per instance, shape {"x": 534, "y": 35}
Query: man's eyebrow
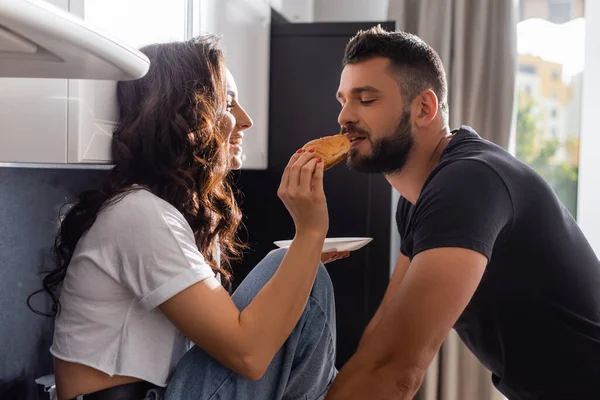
{"x": 359, "y": 90}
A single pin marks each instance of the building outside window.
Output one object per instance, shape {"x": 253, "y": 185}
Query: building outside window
{"x": 551, "y": 40}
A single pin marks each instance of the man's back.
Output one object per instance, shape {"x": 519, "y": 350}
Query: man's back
{"x": 534, "y": 320}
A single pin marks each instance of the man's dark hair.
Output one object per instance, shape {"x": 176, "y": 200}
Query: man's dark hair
{"x": 417, "y": 66}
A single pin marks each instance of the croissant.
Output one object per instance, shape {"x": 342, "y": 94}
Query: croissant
{"x": 332, "y": 149}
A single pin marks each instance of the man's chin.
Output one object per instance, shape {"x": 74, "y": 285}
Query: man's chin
{"x": 358, "y": 164}
{"x": 356, "y": 161}
{"x": 365, "y": 166}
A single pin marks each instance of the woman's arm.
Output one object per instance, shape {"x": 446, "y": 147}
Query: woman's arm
{"x": 328, "y": 256}
{"x": 247, "y": 341}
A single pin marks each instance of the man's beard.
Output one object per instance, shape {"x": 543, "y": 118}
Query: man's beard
{"x": 389, "y": 154}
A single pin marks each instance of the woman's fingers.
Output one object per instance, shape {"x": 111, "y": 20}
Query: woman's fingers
{"x": 307, "y": 207}
{"x": 296, "y": 168}
{"x": 317, "y": 177}
{"x": 286, "y": 172}
{"x": 306, "y": 175}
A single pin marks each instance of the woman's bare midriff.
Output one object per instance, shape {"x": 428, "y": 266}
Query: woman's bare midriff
{"x": 73, "y": 379}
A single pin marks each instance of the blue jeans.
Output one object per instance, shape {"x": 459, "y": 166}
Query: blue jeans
{"x": 302, "y": 369}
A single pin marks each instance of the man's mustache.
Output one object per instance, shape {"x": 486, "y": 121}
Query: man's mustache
{"x": 353, "y": 128}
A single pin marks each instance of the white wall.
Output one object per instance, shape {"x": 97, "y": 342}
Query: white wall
{"x": 295, "y": 10}
{"x": 350, "y": 10}
{"x": 588, "y": 204}
{"x": 245, "y": 27}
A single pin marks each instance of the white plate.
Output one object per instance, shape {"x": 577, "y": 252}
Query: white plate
{"x": 339, "y": 244}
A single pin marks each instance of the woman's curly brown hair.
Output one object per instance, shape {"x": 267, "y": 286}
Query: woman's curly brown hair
{"x": 167, "y": 140}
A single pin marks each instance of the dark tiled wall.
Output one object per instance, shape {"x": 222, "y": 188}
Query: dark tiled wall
{"x": 29, "y": 203}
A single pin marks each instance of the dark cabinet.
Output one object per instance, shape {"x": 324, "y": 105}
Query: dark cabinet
{"x": 304, "y": 76}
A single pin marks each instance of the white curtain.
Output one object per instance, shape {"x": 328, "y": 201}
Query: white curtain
{"x": 476, "y": 40}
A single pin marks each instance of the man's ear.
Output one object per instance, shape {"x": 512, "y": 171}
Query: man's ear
{"x": 425, "y": 108}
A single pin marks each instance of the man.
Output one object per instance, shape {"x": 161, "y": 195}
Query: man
{"x": 486, "y": 247}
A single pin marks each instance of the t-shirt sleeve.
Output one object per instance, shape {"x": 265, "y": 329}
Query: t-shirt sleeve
{"x": 401, "y": 218}
{"x": 157, "y": 251}
{"x": 466, "y": 205}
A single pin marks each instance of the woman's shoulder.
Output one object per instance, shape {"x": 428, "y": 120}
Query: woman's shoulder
{"x": 140, "y": 207}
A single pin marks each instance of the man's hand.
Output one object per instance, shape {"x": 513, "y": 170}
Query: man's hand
{"x": 391, "y": 361}
{"x": 329, "y": 256}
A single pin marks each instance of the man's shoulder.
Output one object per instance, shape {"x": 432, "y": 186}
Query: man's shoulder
{"x": 468, "y": 145}
{"x": 465, "y": 172}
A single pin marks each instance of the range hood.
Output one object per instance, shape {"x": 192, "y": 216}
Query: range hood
{"x": 39, "y": 40}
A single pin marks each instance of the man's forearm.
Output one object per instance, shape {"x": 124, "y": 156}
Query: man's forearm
{"x": 384, "y": 382}
{"x": 391, "y": 361}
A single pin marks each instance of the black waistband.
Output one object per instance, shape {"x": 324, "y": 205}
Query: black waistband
{"x": 129, "y": 391}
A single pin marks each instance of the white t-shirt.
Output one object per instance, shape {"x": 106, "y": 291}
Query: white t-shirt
{"x": 138, "y": 253}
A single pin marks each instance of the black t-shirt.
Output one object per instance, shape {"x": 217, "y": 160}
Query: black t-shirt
{"x": 534, "y": 319}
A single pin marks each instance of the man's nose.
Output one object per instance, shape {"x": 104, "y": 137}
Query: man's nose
{"x": 347, "y": 116}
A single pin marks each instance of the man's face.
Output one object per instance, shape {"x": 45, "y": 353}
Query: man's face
{"x": 374, "y": 117}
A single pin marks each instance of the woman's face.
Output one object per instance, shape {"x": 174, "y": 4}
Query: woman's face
{"x": 236, "y": 122}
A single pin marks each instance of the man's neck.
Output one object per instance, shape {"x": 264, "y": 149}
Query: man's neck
{"x": 423, "y": 159}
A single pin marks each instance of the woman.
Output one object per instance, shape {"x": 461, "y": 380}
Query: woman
{"x": 141, "y": 261}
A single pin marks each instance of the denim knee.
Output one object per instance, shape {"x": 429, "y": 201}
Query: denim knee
{"x": 322, "y": 287}
{"x": 277, "y": 254}
{"x": 322, "y": 291}
{"x": 323, "y": 280}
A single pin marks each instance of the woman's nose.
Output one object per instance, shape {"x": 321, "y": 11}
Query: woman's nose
{"x": 244, "y": 121}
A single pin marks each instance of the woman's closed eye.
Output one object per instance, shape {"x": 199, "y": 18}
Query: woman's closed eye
{"x": 230, "y": 102}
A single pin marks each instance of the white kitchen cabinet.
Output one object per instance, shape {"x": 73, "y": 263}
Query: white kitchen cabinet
{"x": 33, "y": 120}
{"x": 71, "y": 121}
{"x": 245, "y": 28}
{"x": 92, "y": 104}
{"x": 57, "y": 121}
{"x": 33, "y": 117}
{"x": 39, "y": 41}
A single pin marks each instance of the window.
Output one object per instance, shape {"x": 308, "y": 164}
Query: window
{"x": 559, "y": 11}
{"x": 139, "y": 22}
{"x": 527, "y": 69}
{"x": 555, "y": 75}
{"x": 588, "y": 212}
{"x": 550, "y": 41}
